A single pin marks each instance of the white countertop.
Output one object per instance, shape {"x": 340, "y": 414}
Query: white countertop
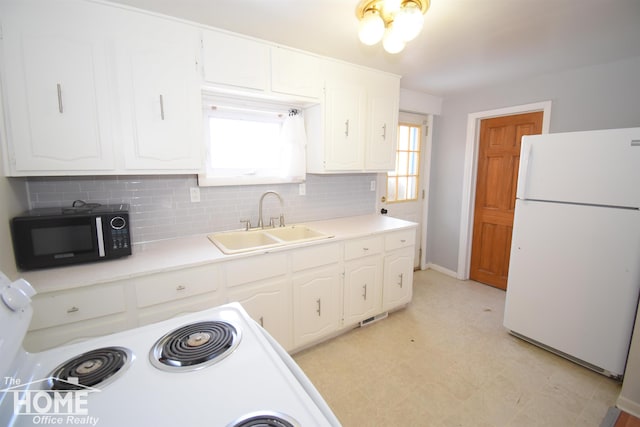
{"x": 173, "y": 254}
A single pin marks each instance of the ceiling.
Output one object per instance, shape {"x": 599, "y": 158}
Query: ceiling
{"x": 464, "y": 44}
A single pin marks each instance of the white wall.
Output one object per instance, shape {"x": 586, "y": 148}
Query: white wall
{"x": 597, "y": 97}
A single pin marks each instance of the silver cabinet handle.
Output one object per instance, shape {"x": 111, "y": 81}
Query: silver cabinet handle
{"x": 181, "y": 288}
{"x": 60, "y": 107}
{"x": 261, "y": 321}
{"x": 403, "y": 240}
{"x": 73, "y": 309}
{"x": 346, "y": 128}
{"x": 365, "y": 249}
{"x": 401, "y": 279}
{"x": 384, "y": 131}
{"x": 319, "y": 310}
{"x": 364, "y": 295}
{"x": 161, "y": 107}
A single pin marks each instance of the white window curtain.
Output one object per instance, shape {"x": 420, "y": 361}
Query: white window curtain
{"x": 294, "y": 142}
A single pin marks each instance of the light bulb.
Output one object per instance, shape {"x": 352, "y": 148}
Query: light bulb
{"x": 409, "y": 21}
{"x": 392, "y": 41}
{"x": 371, "y": 28}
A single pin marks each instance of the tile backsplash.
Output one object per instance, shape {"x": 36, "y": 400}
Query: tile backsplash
{"x": 161, "y": 208}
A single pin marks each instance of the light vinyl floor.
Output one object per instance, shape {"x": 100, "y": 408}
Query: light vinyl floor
{"x": 446, "y": 360}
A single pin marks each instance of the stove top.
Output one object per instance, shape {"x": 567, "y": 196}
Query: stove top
{"x": 148, "y": 376}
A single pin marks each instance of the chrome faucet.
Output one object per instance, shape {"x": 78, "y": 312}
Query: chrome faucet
{"x": 260, "y": 222}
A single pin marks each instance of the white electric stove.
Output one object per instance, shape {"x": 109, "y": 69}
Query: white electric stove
{"x": 216, "y": 367}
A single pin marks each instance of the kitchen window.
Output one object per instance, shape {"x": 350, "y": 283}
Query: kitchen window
{"x": 252, "y": 142}
{"x": 402, "y": 184}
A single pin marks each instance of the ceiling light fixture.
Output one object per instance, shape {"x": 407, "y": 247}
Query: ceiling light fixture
{"x": 395, "y": 22}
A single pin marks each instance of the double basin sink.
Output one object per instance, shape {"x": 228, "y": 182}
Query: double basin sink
{"x": 232, "y": 242}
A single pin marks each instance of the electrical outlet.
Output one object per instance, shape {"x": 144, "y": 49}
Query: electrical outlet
{"x": 372, "y": 186}
{"x": 302, "y": 189}
{"x": 195, "y": 194}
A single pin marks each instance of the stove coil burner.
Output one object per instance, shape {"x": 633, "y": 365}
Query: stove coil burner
{"x": 96, "y": 367}
{"x": 195, "y": 346}
{"x": 265, "y": 419}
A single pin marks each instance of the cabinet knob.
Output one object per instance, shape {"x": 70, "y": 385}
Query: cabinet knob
{"x": 181, "y": 288}
{"x": 73, "y": 309}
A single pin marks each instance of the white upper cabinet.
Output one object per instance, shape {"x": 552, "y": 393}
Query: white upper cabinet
{"x": 382, "y": 124}
{"x": 354, "y": 129}
{"x": 93, "y": 89}
{"x": 57, "y": 94}
{"x": 159, "y": 93}
{"x": 235, "y": 61}
{"x": 295, "y": 73}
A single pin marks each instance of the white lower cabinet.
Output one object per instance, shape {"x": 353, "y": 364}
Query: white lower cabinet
{"x": 269, "y": 304}
{"x": 316, "y": 304}
{"x": 301, "y": 296}
{"x": 161, "y": 296}
{"x": 64, "y": 316}
{"x": 362, "y": 289}
{"x": 398, "y": 278}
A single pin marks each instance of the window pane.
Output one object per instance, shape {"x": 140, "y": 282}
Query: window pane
{"x": 403, "y": 161}
{"x": 402, "y": 188}
{"x": 414, "y": 139}
{"x": 413, "y": 163}
{"x": 412, "y": 187}
{"x": 391, "y": 188}
{"x": 403, "y": 138}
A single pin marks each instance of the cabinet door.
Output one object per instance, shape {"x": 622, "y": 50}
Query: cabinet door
{"x": 270, "y": 306}
{"x": 160, "y": 95}
{"x": 398, "y": 278}
{"x": 382, "y": 124}
{"x": 344, "y": 148}
{"x": 362, "y": 294}
{"x": 295, "y": 73}
{"x": 57, "y": 93}
{"x": 316, "y": 305}
{"x": 235, "y": 61}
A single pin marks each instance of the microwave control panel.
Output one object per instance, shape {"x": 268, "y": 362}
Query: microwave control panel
{"x": 118, "y": 231}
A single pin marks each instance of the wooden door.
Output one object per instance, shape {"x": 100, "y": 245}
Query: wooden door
{"x": 498, "y": 160}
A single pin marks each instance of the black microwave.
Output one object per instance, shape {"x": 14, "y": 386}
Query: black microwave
{"x": 51, "y": 237}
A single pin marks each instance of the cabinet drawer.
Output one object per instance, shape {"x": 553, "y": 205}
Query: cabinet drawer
{"x": 399, "y": 239}
{"x": 362, "y": 247}
{"x": 315, "y": 256}
{"x": 175, "y": 285}
{"x": 255, "y": 268}
{"x": 77, "y": 305}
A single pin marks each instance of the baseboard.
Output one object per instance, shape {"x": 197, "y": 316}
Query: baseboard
{"x": 628, "y": 406}
{"x": 442, "y": 270}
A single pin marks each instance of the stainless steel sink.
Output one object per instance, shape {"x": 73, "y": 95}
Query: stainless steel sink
{"x": 231, "y": 242}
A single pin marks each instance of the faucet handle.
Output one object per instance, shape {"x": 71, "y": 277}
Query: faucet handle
{"x": 272, "y": 221}
{"x": 281, "y": 220}
{"x": 247, "y": 224}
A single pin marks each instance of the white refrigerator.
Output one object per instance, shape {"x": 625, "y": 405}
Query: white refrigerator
{"x": 574, "y": 271}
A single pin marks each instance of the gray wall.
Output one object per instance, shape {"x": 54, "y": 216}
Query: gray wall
{"x": 597, "y": 97}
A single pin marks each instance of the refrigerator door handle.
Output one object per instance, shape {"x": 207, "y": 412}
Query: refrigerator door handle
{"x": 525, "y": 164}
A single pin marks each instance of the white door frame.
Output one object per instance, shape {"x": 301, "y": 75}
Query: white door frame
{"x": 470, "y": 173}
